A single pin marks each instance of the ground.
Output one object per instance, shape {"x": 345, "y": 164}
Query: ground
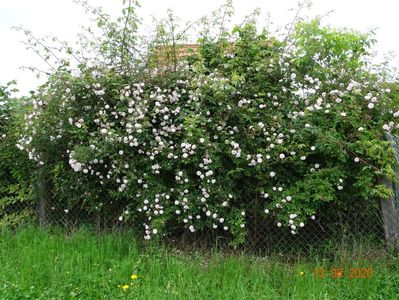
{"x": 44, "y": 264}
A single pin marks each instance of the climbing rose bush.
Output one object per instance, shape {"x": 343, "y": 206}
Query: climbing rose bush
{"x": 245, "y": 125}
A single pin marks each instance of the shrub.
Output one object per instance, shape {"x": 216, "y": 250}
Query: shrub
{"x": 247, "y": 124}
{"x": 15, "y": 189}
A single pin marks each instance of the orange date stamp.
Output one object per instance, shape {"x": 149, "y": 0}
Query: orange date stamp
{"x": 337, "y": 273}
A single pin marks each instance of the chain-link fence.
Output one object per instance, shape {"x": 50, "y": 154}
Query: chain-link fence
{"x": 377, "y": 226}
{"x": 360, "y": 224}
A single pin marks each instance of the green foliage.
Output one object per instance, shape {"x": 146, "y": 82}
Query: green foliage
{"x": 246, "y": 125}
{"x": 15, "y": 180}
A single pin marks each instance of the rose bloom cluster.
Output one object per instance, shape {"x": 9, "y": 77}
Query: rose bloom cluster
{"x": 279, "y": 128}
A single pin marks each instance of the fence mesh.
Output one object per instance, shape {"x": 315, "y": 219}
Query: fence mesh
{"x": 375, "y": 226}
{"x": 378, "y": 225}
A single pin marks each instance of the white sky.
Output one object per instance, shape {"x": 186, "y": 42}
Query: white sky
{"x": 62, "y": 18}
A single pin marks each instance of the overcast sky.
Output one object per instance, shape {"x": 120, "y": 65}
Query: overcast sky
{"x": 63, "y": 18}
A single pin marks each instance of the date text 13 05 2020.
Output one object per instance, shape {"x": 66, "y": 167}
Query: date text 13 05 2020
{"x": 343, "y": 273}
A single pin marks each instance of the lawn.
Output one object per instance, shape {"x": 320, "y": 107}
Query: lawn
{"x": 39, "y": 264}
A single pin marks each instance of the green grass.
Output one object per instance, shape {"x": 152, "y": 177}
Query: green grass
{"x": 38, "y": 264}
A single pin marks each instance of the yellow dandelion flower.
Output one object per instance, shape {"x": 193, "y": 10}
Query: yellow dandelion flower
{"x": 302, "y": 273}
{"x": 134, "y": 276}
{"x": 125, "y": 287}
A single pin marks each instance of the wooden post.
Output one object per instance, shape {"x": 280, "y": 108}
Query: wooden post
{"x": 42, "y": 194}
{"x": 390, "y": 216}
